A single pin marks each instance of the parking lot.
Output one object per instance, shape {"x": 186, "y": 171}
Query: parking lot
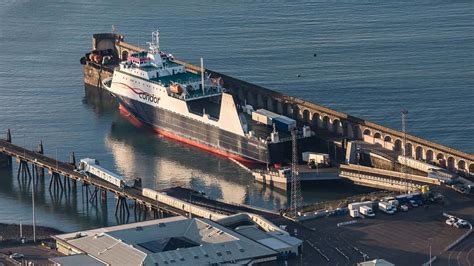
{"x": 403, "y": 238}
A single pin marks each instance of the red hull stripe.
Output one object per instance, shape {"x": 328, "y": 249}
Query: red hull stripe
{"x": 170, "y": 135}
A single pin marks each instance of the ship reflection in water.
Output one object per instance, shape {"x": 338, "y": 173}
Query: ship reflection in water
{"x": 163, "y": 163}
{"x": 136, "y": 151}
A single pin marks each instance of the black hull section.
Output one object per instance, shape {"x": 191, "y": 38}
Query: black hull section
{"x": 213, "y": 138}
{"x": 196, "y": 132}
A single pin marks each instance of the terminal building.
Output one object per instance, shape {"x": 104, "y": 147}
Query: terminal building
{"x": 175, "y": 241}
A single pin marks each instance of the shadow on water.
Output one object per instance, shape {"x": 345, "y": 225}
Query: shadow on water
{"x": 99, "y": 100}
{"x": 162, "y": 163}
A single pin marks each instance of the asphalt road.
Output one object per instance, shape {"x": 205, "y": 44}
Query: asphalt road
{"x": 403, "y": 238}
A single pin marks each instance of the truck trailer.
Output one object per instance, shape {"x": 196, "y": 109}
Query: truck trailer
{"x": 387, "y": 207}
{"x": 316, "y": 159}
{"x": 366, "y": 211}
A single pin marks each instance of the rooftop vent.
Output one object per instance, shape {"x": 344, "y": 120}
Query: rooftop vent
{"x": 99, "y": 235}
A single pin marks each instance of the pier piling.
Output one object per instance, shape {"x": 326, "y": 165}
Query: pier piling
{"x": 55, "y": 182}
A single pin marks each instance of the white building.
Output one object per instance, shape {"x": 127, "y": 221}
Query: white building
{"x": 174, "y": 241}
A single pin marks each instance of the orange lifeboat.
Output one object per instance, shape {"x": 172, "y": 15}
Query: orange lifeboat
{"x": 176, "y": 88}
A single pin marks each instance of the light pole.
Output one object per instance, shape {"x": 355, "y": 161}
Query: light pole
{"x": 32, "y": 191}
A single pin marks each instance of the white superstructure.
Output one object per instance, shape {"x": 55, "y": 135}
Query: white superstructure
{"x": 153, "y": 78}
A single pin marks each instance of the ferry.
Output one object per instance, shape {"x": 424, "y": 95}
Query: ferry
{"x": 193, "y": 107}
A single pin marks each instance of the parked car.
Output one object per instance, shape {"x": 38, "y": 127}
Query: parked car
{"x": 413, "y": 203}
{"x": 17, "y": 256}
{"x": 462, "y": 222}
{"x": 451, "y": 221}
{"x": 404, "y": 207}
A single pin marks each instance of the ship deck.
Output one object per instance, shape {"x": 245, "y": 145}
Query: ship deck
{"x": 182, "y": 78}
{"x": 264, "y": 131}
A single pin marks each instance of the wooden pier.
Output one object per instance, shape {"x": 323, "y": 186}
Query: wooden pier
{"x": 64, "y": 177}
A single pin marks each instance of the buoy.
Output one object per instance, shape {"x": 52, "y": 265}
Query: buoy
{"x": 298, "y": 75}
{"x": 315, "y": 55}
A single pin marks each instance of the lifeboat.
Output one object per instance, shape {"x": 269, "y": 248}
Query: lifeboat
{"x": 176, "y": 88}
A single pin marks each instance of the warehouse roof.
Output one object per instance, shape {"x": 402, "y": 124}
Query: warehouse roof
{"x": 175, "y": 241}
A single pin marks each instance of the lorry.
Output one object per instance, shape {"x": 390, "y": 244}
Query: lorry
{"x": 284, "y": 123}
{"x": 316, "y": 159}
{"x": 263, "y": 116}
{"x": 358, "y": 208}
{"x": 357, "y": 205}
{"x": 366, "y": 211}
{"x": 405, "y": 199}
{"x": 354, "y": 213}
{"x": 387, "y": 207}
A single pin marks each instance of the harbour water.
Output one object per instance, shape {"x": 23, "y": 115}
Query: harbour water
{"x": 369, "y": 60}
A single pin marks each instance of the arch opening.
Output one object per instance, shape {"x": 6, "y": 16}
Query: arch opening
{"x": 462, "y": 165}
{"x": 306, "y": 116}
{"x": 451, "y": 163}
{"x": 429, "y": 156}
{"x": 471, "y": 168}
{"x": 337, "y": 127}
{"x": 440, "y": 159}
{"x": 367, "y": 132}
{"x": 387, "y": 139}
{"x": 315, "y": 120}
{"x": 326, "y": 122}
{"x": 419, "y": 153}
{"x": 398, "y": 145}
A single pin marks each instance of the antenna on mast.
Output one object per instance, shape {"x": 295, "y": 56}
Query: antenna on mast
{"x": 296, "y": 199}
{"x": 154, "y": 45}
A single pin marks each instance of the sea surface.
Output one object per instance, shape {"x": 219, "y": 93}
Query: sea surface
{"x": 370, "y": 59}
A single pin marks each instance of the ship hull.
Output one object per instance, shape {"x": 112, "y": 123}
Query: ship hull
{"x": 195, "y": 133}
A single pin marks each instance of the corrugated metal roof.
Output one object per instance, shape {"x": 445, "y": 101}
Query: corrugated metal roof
{"x": 124, "y": 246}
{"x": 112, "y": 251}
{"x": 77, "y": 260}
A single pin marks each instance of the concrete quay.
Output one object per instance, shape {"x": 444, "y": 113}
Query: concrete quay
{"x": 321, "y": 119}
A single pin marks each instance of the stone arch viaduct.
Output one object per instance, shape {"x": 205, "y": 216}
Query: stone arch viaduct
{"x": 347, "y": 126}
{"x": 331, "y": 121}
